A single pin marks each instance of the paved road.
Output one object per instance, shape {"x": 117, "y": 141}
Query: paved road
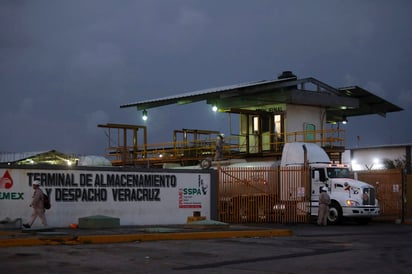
{"x": 375, "y": 248}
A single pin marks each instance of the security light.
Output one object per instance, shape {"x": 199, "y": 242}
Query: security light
{"x": 144, "y": 117}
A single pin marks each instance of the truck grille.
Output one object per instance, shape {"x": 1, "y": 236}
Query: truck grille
{"x": 368, "y": 196}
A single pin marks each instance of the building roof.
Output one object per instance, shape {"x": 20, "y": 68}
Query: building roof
{"x": 402, "y": 145}
{"x": 368, "y": 103}
{"x": 52, "y": 157}
{"x": 340, "y": 103}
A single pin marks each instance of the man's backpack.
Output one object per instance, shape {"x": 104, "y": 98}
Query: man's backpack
{"x": 46, "y": 201}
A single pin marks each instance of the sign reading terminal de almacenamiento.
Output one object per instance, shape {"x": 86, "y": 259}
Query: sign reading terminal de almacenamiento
{"x": 137, "y": 198}
{"x": 97, "y": 186}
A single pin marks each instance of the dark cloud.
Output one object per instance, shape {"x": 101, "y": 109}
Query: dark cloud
{"x": 66, "y": 66}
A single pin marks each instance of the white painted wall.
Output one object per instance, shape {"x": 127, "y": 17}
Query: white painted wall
{"x": 372, "y": 158}
{"x": 297, "y": 116}
{"x": 85, "y": 193}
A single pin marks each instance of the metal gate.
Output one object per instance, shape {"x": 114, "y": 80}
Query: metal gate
{"x": 389, "y": 189}
{"x": 264, "y": 194}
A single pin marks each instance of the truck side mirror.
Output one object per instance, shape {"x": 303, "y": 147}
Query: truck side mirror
{"x": 316, "y": 175}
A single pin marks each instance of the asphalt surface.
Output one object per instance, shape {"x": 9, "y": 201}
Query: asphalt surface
{"x": 241, "y": 249}
{"x": 124, "y": 234}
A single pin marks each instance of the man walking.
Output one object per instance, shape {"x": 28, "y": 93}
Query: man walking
{"x": 219, "y": 147}
{"x": 37, "y": 205}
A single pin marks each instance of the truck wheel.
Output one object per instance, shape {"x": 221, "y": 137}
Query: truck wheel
{"x": 206, "y": 163}
{"x": 335, "y": 214}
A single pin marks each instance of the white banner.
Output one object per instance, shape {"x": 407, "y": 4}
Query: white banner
{"x": 136, "y": 198}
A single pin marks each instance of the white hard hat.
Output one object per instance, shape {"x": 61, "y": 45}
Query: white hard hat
{"x": 36, "y": 183}
{"x": 324, "y": 188}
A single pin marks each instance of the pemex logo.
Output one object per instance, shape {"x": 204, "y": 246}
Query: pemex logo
{"x": 6, "y": 181}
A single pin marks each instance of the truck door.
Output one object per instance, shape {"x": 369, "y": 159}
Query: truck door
{"x": 318, "y": 181}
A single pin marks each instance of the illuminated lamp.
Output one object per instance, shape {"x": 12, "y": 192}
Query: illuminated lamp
{"x": 144, "y": 117}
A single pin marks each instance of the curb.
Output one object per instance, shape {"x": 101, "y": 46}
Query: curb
{"x": 106, "y": 239}
{"x": 408, "y": 222}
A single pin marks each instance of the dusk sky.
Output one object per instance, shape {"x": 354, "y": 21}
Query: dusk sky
{"x": 67, "y": 66}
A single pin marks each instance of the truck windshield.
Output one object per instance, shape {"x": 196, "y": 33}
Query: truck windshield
{"x": 336, "y": 172}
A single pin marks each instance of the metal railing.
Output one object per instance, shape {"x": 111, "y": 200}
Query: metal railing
{"x": 235, "y": 146}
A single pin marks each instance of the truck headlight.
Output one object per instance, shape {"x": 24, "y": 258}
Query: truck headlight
{"x": 352, "y": 203}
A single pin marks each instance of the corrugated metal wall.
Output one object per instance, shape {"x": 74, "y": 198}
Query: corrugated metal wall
{"x": 408, "y": 213}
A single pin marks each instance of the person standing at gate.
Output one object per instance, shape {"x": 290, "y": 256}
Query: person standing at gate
{"x": 37, "y": 205}
{"x": 219, "y": 147}
{"x": 323, "y": 212}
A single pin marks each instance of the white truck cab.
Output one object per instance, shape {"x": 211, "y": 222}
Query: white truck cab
{"x": 350, "y": 198}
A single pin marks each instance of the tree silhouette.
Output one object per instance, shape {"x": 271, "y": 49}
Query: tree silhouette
{"x": 399, "y": 163}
